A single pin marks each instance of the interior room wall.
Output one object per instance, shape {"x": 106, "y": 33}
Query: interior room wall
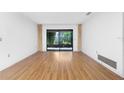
{"x": 102, "y": 34}
{"x": 19, "y": 38}
{"x": 123, "y": 43}
{"x": 66, "y": 26}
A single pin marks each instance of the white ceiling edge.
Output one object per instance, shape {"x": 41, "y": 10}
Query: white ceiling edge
{"x": 57, "y": 17}
{"x": 28, "y": 18}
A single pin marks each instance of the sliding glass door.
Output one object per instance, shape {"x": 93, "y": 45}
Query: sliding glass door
{"x": 60, "y": 40}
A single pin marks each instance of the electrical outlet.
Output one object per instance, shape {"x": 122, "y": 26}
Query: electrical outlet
{"x": 96, "y": 52}
{"x": 8, "y": 55}
{"x": 0, "y": 39}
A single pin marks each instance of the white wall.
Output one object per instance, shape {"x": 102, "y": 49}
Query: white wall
{"x": 19, "y": 36}
{"x": 74, "y": 27}
{"x": 123, "y": 43}
{"x": 102, "y": 34}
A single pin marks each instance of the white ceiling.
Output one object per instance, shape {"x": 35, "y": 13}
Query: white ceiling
{"x": 57, "y": 17}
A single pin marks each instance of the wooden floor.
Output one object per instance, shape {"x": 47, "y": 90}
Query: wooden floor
{"x": 58, "y": 66}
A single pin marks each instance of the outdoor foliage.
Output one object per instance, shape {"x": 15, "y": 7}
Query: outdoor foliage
{"x": 59, "y": 38}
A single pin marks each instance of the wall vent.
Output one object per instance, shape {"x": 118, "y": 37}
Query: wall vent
{"x": 108, "y": 61}
{"x": 88, "y": 13}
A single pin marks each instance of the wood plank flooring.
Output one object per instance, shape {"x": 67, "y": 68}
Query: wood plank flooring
{"x": 58, "y": 66}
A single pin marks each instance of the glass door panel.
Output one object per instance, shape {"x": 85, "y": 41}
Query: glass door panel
{"x": 65, "y": 40}
{"x": 52, "y": 40}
